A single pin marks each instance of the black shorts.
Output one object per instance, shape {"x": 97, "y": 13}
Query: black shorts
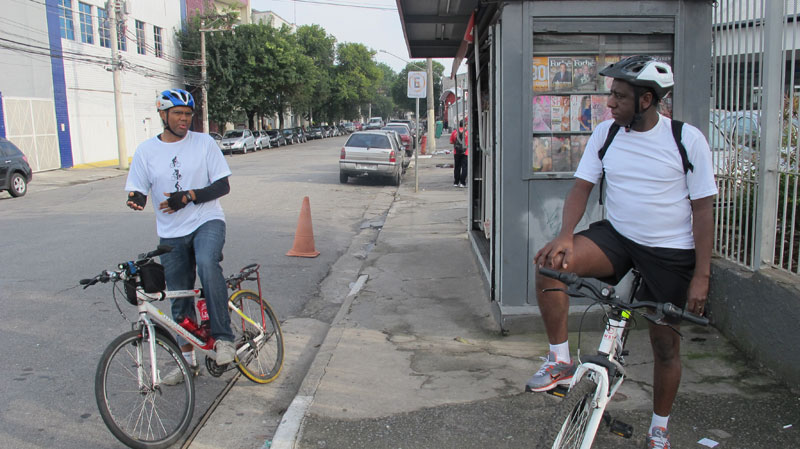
{"x": 666, "y": 272}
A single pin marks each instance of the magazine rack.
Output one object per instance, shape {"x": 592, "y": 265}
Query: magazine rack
{"x": 569, "y": 97}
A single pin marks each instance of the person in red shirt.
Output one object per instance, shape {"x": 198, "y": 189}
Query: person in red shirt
{"x": 460, "y": 141}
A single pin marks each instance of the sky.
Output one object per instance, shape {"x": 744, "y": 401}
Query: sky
{"x": 374, "y": 23}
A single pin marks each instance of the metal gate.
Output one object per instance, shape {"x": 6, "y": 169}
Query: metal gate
{"x": 753, "y": 132}
{"x": 31, "y": 125}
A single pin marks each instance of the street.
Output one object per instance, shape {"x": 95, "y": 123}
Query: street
{"x": 54, "y": 331}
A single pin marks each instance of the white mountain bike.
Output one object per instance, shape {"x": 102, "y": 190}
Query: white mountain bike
{"x": 598, "y": 377}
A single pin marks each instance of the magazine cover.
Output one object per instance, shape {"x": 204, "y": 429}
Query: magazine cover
{"x": 559, "y": 113}
{"x": 576, "y": 146}
{"x": 559, "y": 152}
{"x": 603, "y": 82}
{"x": 541, "y": 113}
{"x": 560, "y": 73}
{"x": 584, "y": 73}
{"x": 541, "y": 154}
{"x": 580, "y": 113}
{"x": 541, "y": 72}
{"x": 600, "y": 111}
{"x": 665, "y": 107}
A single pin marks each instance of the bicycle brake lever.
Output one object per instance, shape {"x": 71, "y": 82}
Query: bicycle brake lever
{"x": 658, "y": 318}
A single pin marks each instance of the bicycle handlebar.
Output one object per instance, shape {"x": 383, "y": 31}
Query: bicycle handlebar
{"x": 106, "y": 275}
{"x": 606, "y": 295}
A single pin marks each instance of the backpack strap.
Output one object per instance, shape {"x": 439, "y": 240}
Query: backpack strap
{"x": 677, "y": 131}
{"x": 612, "y": 132}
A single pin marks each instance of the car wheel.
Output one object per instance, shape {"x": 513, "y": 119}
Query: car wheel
{"x": 342, "y": 178}
{"x": 19, "y": 186}
{"x": 396, "y": 179}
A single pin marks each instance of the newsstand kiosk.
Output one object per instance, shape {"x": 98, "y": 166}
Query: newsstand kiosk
{"x": 533, "y": 69}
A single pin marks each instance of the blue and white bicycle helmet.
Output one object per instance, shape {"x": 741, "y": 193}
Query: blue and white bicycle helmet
{"x": 174, "y": 97}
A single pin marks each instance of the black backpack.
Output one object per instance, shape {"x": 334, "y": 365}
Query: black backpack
{"x": 459, "y": 145}
{"x": 677, "y": 131}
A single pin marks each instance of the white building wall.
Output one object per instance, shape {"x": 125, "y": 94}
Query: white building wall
{"x": 90, "y": 85}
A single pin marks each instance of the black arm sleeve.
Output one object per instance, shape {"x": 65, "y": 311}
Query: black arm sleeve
{"x": 217, "y": 189}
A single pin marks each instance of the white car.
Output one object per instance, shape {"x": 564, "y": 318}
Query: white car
{"x": 372, "y": 153}
{"x": 238, "y": 140}
{"x": 262, "y": 139}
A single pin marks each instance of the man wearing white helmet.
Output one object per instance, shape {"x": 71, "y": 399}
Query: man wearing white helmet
{"x": 186, "y": 174}
{"x": 658, "y": 199}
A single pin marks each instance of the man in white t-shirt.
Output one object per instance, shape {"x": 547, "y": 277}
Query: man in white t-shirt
{"x": 186, "y": 174}
{"x": 659, "y": 221}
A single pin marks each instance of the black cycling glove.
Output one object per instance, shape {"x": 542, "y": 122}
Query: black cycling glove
{"x": 175, "y": 200}
{"x": 137, "y": 198}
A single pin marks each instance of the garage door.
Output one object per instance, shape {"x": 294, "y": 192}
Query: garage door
{"x": 31, "y": 125}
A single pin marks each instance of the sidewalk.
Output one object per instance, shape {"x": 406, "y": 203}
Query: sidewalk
{"x": 414, "y": 358}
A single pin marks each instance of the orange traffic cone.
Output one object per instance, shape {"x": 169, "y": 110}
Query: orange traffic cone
{"x": 304, "y": 236}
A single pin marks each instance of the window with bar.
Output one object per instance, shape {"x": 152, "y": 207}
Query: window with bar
{"x": 140, "y": 43}
{"x": 158, "y": 42}
{"x": 87, "y": 28}
{"x": 103, "y": 28}
{"x": 65, "y": 19}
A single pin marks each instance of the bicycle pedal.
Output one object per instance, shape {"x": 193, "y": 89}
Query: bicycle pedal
{"x": 619, "y": 428}
{"x": 559, "y": 391}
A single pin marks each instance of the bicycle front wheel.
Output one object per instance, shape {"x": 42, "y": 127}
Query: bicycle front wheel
{"x": 257, "y": 336}
{"x": 141, "y": 411}
{"x": 578, "y": 408}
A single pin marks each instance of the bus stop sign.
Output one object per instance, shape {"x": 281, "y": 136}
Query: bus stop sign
{"x": 417, "y": 85}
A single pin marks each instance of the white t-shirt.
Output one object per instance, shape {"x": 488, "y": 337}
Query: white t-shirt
{"x": 194, "y": 162}
{"x": 646, "y": 191}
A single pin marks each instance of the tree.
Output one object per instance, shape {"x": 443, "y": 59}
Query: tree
{"x": 320, "y": 47}
{"x": 356, "y": 80}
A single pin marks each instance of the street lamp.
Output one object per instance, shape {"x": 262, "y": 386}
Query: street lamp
{"x": 402, "y": 59}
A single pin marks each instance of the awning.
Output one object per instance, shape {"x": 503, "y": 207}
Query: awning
{"x": 435, "y": 28}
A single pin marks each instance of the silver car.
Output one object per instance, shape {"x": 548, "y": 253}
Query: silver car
{"x": 372, "y": 153}
{"x": 238, "y": 140}
{"x": 262, "y": 139}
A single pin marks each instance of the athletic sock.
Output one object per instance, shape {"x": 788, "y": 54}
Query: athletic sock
{"x": 562, "y": 352}
{"x": 658, "y": 421}
{"x": 189, "y": 357}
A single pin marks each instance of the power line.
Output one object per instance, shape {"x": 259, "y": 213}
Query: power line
{"x": 342, "y": 4}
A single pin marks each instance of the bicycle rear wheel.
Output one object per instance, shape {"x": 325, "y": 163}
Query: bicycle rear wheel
{"x": 142, "y": 413}
{"x": 258, "y": 337}
{"x": 578, "y": 409}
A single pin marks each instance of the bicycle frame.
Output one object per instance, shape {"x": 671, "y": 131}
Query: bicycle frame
{"x": 149, "y": 315}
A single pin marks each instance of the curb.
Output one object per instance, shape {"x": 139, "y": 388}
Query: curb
{"x": 291, "y": 423}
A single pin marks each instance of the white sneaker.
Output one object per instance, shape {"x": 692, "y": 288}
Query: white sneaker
{"x": 461, "y": 185}
{"x": 226, "y": 352}
{"x": 175, "y": 376}
{"x": 455, "y": 184}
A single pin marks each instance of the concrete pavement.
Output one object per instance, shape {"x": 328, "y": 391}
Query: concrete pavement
{"x": 414, "y": 359}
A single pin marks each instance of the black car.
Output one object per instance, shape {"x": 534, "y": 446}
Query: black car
{"x": 276, "y": 138}
{"x": 301, "y": 134}
{"x": 315, "y": 132}
{"x": 15, "y": 173}
{"x": 289, "y": 135}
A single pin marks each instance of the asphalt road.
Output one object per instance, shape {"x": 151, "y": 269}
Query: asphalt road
{"x": 54, "y": 332}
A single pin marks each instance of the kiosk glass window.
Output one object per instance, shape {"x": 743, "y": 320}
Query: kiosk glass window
{"x": 569, "y": 97}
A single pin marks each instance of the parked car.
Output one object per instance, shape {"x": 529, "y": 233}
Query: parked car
{"x": 276, "y": 138}
{"x": 216, "y": 136}
{"x": 289, "y": 135}
{"x": 375, "y": 123}
{"x": 262, "y": 139}
{"x": 15, "y": 172}
{"x": 359, "y": 126}
{"x": 238, "y": 140}
{"x": 301, "y": 134}
{"x": 350, "y": 127}
{"x": 371, "y": 153}
{"x": 342, "y": 130}
{"x": 412, "y": 126}
{"x": 405, "y": 136}
{"x": 315, "y": 132}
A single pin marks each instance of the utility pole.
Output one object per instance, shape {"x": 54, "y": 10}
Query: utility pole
{"x": 431, "y": 114}
{"x": 203, "y": 76}
{"x": 204, "y": 64}
{"x": 116, "y": 70}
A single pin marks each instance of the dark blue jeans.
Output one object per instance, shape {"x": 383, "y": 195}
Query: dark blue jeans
{"x": 201, "y": 251}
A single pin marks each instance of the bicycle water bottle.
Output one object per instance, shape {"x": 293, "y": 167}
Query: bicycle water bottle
{"x": 205, "y": 326}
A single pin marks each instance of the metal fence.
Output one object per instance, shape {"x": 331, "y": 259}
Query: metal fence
{"x": 753, "y": 129}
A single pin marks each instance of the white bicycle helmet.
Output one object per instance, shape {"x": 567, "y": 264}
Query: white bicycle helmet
{"x": 643, "y": 71}
{"x": 174, "y": 97}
